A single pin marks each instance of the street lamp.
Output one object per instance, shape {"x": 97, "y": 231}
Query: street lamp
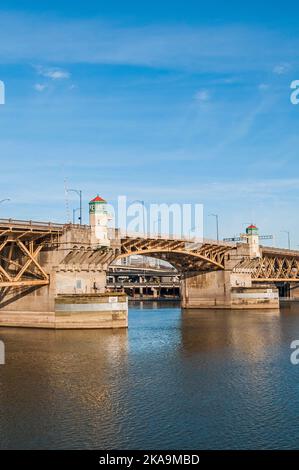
{"x": 289, "y": 237}
{"x": 79, "y": 193}
{"x": 74, "y": 214}
{"x": 217, "y": 224}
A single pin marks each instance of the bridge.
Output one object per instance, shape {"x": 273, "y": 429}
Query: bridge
{"x": 274, "y": 265}
{"x": 20, "y": 245}
{"x": 41, "y": 260}
{"x": 22, "y": 241}
{"x": 185, "y": 255}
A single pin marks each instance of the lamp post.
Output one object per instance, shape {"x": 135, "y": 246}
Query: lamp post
{"x": 79, "y": 193}
{"x": 217, "y": 224}
{"x": 289, "y": 237}
{"x": 74, "y": 214}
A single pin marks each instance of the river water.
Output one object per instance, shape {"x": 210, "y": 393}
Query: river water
{"x": 174, "y": 380}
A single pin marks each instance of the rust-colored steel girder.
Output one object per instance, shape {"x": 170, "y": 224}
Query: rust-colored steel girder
{"x": 181, "y": 254}
{"x": 275, "y": 265}
{"x": 20, "y": 245}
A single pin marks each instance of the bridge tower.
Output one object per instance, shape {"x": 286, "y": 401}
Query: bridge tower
{"x": 252, "y": 238}
{"x": 98, "y": 220}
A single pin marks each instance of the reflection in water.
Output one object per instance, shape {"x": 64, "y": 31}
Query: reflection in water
{"x": 191, "y": 379}
{"x": 246, "y": 331}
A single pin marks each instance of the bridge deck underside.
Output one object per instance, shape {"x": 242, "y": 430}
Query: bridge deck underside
{"x": 185, "y": 257}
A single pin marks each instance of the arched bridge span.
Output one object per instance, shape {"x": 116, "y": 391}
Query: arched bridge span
{"x": 184, "y": 256}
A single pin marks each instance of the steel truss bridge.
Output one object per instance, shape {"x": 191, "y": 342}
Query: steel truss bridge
{"x": 275, "y": 265}
{"x": 22, "y": 244}
{"x": 183, "y": 255}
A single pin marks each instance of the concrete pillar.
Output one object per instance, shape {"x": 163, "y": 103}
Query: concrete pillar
{"x": 226, "y": 288}
{"x": 206, "y": 290}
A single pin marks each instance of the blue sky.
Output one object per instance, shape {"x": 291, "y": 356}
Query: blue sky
{"x": 161, "y": 101}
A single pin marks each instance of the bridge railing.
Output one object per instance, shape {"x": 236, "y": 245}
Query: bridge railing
{"x": 150, "y": 235}
{"x": 18, "y": 223}
{"x": 30, "y": 223}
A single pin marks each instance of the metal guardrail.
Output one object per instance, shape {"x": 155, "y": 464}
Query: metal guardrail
{"x": 174, "y": 237}
{"x": 276, "y": 250}
{"x": 116, "y": 233}
{"x": 18, "y": 223}
{"x": 30, "y": 223}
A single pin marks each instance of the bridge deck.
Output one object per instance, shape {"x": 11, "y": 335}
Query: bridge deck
{"x": 9, "y": 225}
{"x": 271, "y": 250}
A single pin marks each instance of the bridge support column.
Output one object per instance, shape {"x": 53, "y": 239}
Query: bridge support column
{"x": 205, "y": 290}
{"x": 226, "y": 290}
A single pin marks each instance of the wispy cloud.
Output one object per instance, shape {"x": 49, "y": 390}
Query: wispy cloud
{"x": 202, "y": 96}
{"x": 53, "y": 73}
{"x": 226, "y": 49}
{"x": 263, "y": 86}
{"x": 281, "y": 69}
{"x": 40, "y": 87}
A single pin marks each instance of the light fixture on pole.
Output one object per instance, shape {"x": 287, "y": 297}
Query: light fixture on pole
{"x": 79, "y": 193}
{"x": 289, "y": 237}
{"x": 74, "y": 214}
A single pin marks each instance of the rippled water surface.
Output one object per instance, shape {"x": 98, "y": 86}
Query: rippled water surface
{"x": 191, "y": 380}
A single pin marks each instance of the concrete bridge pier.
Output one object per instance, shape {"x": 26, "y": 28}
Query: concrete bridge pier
{"x": 227, "y": 289}
{"x": 223, "y": 290}
{"x": 205, "y": 290}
